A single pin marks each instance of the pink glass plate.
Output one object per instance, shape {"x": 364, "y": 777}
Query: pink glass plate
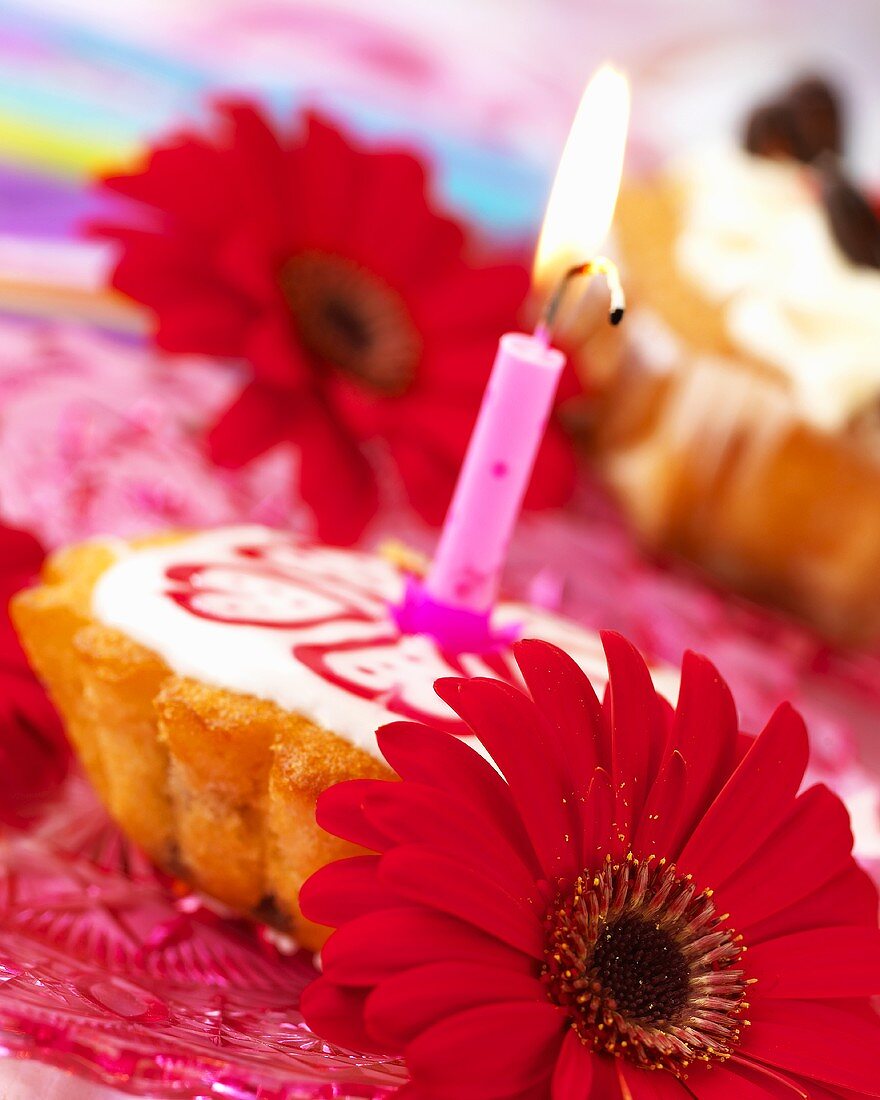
{"x": 108, "y": 972}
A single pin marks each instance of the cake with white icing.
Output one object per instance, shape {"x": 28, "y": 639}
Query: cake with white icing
{"x": 214, "y": 684}
{"x": 740, "y": 426}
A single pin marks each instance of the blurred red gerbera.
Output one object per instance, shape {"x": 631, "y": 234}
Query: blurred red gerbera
{"x": 33, "y": 749}
{"x": 639, "y": 906}
{"x": 362, "y": 313}
{"x": 33, "y": 752}
{"x": 20, "y": 559}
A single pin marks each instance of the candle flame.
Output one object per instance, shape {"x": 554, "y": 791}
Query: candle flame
{"x": 584, "y": 192}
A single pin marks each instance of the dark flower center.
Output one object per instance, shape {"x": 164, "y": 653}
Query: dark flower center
{"x": 641, "y": 965}
{"x": 349, "y": 318}
{"x": 645, "y": 967}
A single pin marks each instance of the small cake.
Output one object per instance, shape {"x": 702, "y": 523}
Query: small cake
{"x": 740, "y": 428}
{"x": 214, "y": 684}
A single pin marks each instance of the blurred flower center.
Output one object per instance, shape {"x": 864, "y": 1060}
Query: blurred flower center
{"x": 349, "y": 318}
{"x": 641, "y": 962}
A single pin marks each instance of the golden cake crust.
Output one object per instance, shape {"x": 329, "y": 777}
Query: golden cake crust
{"x": 218, "y": 788}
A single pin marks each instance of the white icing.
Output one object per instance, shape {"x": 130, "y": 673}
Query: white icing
{"x": 259, "y": 612}
{"x": 756, "y": 239}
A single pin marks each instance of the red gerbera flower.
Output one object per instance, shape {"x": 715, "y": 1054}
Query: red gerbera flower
{"x": 33, "y": 752}
{"x": 362, "y": 313}
{"x": 33, "y": 749}
{"x": 20, "y": 559}
{"x": 640, "y": 905}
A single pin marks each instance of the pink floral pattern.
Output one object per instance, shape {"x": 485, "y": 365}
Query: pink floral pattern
{"x": 99, "y": 435}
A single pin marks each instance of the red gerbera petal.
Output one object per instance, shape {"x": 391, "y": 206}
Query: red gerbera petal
{"x": 397, "y": 1010}
{"x": 596, "y": 814}
{"x": 812, "y": 1039}
{"x": 507, "y": 724}
{"x": 489, "y": 1051}
{"x": 566, "y": 698}
{"x": 821, "y": 963}
{"x": 350, "y": 888}
{"x": 322, "y": 176}
{"x": 338, "y": 1011}
{"x": 33, "y": 751}
{"x": 740, "y": 1083}
{"x": 385, "y": 209}
{"x": 635, "y": 1084}
{"x": 638, "y": 727}
{"x": 809, "y": 848}
{"x": 248, "y": 259}
{"x": 555, "y": 474}
{"x": 257, "y": 420}
{"x": 704, "y": 731}
{"x": 769, "y": 776}
{"x": 34, "y": 754}
{"x": 365, "y": 951}
{"x": 421, "y": 875}
{"x": 336, "y": 480}
{"x": 606, "y": 1084}
{"x": 461, "y": 298}
{"x": 428, "y": 480}
{"x": 169, "y": 272}
{"x": 340, "y": 810}
{"x": 574, "y": 1072}
{"x": 661, "y": 818}
{"x": 540, "y": 937}
{"x": 205, "y": 324}
{"x": 848, "y": 898}
{"x": 277, "y": 361}
{"x": 20, "y": 558}
{"x": 257, "y": 158}
{"x": 470, "y": 363}
{"x": 425, "y": 755}
{"x": 172, "y": 181}
{"x": 412, "y": 813}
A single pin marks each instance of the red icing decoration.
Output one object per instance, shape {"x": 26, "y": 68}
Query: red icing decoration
{"x": 394, "y": 696}
{"x": 203, "y": 588}
{"x": 332, "y": 566}
{"x": 295, "y": 587}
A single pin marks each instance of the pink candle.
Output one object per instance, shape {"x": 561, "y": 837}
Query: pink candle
{"x": 467, "y": 566}
{"x": 454, "y": 602}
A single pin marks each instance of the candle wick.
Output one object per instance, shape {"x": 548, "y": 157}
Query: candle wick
{"x": 600, "y": 266}
{"x": 543, "y": 335}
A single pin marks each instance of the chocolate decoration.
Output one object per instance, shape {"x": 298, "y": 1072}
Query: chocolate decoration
{"x": 815, "y": 109}
{"x": 771, "y": 131}
{"x": 805, "y": 124}
{"x": 854, "y": 224}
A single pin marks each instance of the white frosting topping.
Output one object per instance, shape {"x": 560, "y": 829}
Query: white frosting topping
{"x": 263, "y": 613}
{"x": 756, "y": 238}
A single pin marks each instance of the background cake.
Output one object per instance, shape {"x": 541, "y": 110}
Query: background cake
{"x": 215, "y": 684}
{"x": 739, "y": 423}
